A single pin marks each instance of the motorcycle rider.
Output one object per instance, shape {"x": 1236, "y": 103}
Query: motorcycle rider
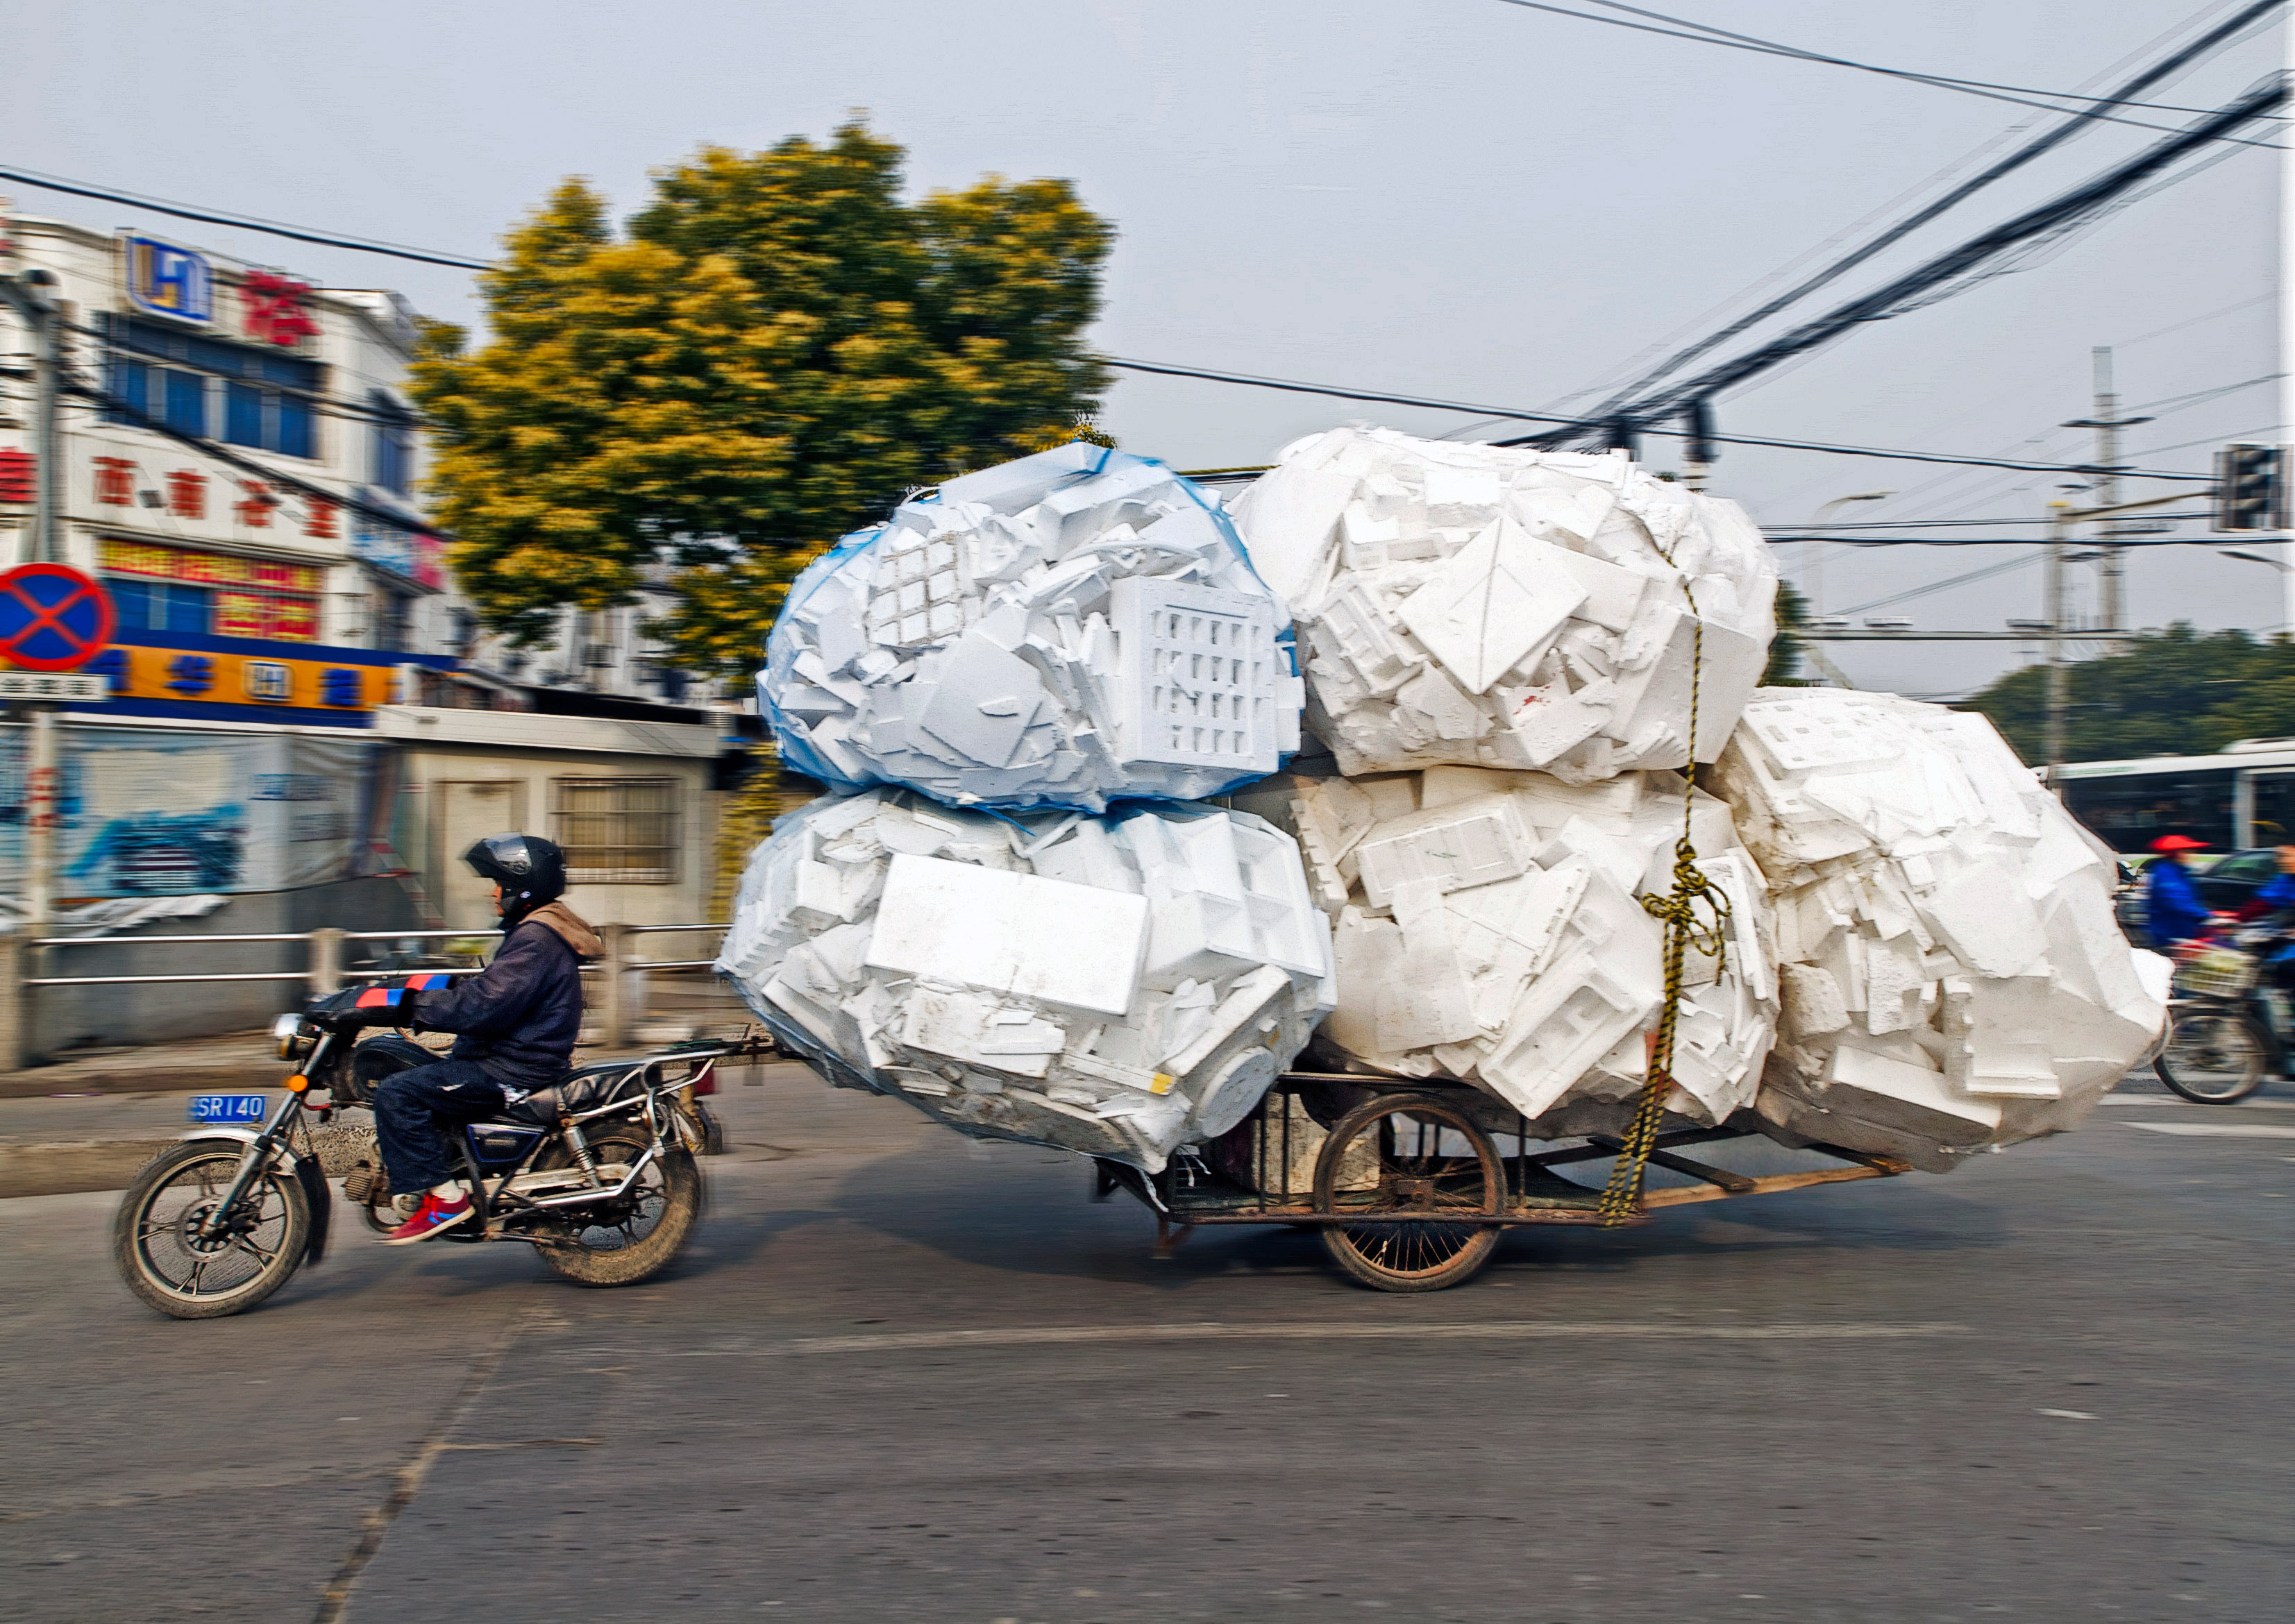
{"x": 516, "y": 1020}
{"x": 2172, "y": 911}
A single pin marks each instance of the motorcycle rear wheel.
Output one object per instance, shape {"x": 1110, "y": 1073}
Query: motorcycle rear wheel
{"x": 161, "y": 1258}
{"x": 2214, "y": 1057}
{"x": 633, "y": 1239}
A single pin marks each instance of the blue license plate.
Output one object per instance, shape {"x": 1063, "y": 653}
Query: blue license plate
{"x": 229, "y": 1108}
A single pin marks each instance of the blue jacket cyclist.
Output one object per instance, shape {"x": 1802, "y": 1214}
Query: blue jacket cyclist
{"x": 2172, "y": 911}
{"x": 517, "y": 1020}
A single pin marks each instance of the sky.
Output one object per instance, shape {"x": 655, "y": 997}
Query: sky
{"x": 1467, "y": 200}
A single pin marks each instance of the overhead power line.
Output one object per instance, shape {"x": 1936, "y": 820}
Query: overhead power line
{"x": 1341, "y": 392}
{"x": 298, "y": 233}
{"x": 1926, "y": 283}
{"x": 2078, "y": 123}
{"x": 1704, "y": 36}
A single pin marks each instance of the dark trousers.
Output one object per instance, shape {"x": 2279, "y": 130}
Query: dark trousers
{"x": 413, "y": 1107}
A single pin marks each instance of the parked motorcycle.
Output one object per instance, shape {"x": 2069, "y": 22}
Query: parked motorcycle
{"x": 2222, "y": 1042}
{"x": 597, "y": 1173}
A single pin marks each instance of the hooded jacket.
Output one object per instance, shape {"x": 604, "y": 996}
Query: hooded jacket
{"x": 518, "y": 1017}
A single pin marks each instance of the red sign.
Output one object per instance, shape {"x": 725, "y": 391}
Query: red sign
{"x": 52, "y": 617}
{"x": 274, "y": 309}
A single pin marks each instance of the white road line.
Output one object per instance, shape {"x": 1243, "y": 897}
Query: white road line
{"x": 2218, "y": 1131}
{"x": 1346, "y": 1330}
{"x": 2148, "y": 1102}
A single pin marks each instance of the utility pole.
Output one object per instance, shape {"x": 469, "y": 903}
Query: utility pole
{"x": 2062, "y": 519}
{"x": 28, "y": 293}
{"x": 2060, "y": 529}
{"x": 2287, "y": 338}
{"x": 2107, "y": 422}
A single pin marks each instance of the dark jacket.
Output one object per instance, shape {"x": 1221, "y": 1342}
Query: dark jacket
{"x": 2172, "y": 909}
{"x": 520, "y": 1016}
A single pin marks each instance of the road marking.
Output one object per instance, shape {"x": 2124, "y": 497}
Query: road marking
{"x": 2149, "y": 1102}
{"x": 2218, "y": 1131}
{"x": 1349, "y": 1330}
{"x": 2069, "y": 1415}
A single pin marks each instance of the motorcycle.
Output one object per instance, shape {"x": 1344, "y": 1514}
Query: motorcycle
{"x": 598, "y": 1172}
{"x": 2224, "y": 1038}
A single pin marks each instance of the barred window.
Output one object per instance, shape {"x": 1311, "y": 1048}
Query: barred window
{"x": 615, "y": 831}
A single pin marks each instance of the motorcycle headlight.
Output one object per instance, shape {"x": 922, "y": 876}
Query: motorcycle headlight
{"x": 287, "y": 1029}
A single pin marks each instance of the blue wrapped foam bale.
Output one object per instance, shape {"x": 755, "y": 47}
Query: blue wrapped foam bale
{"x": 1066, "y": 630}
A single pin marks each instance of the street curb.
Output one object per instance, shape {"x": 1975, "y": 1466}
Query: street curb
{"x": 70, "y": 1167}
{"x": 40, "y": 1084}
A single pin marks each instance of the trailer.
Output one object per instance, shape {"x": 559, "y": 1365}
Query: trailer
{"x": 1407, "y": 1185}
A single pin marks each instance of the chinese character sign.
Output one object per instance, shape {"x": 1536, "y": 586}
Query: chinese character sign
{"x": 275, "y": 311}
{"x": 187, "y": 493}
{"x": 115, "y": 481}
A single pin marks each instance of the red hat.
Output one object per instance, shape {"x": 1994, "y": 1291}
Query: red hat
{"x": 2178, "y": 843}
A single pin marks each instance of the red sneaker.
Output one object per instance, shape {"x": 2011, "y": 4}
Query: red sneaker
{"x": 432, "y": 1216}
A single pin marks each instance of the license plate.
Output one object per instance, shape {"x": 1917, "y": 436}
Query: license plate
{"x": 229, "y": 1108}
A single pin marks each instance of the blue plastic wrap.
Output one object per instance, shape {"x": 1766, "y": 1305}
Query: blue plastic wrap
{"x": 1066, "y": 630}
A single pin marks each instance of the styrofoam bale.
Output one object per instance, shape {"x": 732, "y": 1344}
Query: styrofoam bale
{"x": 1004, "y": 1060}
{"x": 985, "y": 670}
{"x": 1382, "y": 700}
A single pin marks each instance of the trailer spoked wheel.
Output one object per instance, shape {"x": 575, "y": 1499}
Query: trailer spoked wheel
{"x": 1396, "y": 1168}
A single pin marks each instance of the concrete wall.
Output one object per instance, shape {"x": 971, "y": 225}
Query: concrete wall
{"x": 62, "y": 1018}
{"x": 436, "y": 814}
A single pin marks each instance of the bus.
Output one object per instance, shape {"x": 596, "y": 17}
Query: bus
{"x": 2242, "y": 796}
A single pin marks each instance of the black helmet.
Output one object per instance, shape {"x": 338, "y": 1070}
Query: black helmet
{"x": 530, "y": 870}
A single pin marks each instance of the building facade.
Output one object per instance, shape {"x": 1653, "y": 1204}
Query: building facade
{"x": 292, "y": 676}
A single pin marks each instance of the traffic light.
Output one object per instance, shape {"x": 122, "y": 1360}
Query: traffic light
{"x": 2251, "y": 487}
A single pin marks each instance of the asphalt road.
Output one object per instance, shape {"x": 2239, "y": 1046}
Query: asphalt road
{"x": 904, "y": 1377}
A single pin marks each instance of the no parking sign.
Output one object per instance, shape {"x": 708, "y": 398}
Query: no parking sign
{"x": 52, "y": 617}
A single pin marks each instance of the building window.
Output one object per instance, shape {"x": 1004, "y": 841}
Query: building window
{"x": 266, "y": 401}
{"x": 394, "y": 621}
{"x": 394, "y": 445}
{"x": 161, "y": 605}
{"x": 615, "y": 831}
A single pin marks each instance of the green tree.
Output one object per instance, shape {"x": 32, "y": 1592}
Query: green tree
{"x": 1785, "y": 653}
{"x": 2176, "y": 692}
{"x": 778, "y": 350}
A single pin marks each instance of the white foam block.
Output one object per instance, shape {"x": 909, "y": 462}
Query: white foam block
{"x": 1010, "y": 933}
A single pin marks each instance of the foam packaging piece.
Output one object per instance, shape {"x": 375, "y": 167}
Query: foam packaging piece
{"x": 1952, "y": 977}
{"x": 1066, "y": 630}
{"x": 1120, "y": 985}
{"x": 1489, "y": 927}
{"x": 1477, "y": 606}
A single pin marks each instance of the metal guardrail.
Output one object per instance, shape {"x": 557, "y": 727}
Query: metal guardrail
{"x": 324, "y": 972}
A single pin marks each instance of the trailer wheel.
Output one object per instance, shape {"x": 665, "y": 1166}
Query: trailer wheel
{"x": 1394, "y": 1168}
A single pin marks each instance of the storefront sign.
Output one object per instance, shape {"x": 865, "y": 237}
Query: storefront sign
{"x": 274, "y": 309}
{"x": 217, "y": 677}
{"x": 411, "y": 554}
{"x": 164, "y": 280}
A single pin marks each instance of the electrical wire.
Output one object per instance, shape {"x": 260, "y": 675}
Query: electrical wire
{"x": 1341, "y": 392}
{"x": 1953, "y": 270}
{"x": 1975, "y": 87}
{"x": 2078, "y": 123}
{"x": 298, "y": 233}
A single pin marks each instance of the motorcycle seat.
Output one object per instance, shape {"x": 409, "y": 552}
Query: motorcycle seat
{"x": 586, "y": 1090}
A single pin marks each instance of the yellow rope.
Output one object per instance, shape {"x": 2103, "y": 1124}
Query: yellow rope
{"x": 1621, "y": 1199}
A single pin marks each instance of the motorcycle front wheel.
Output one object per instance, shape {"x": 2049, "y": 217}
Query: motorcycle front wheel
{"x": 2213, "y": 1057}
{"x": 159, "y": 1249}
{"x": 635, "y": 1236}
